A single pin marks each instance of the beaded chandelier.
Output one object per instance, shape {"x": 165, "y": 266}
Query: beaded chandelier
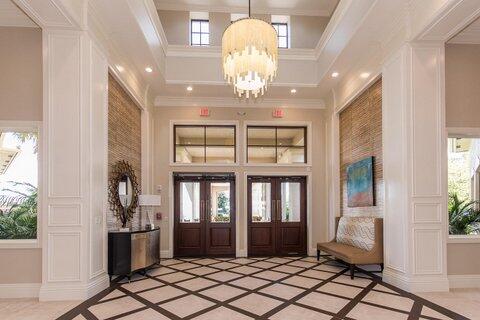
{"x": 250, "y": 55}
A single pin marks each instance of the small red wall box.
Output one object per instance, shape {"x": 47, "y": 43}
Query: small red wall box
{"x": 204, "y": 112}
{"x": 278, "y": 113}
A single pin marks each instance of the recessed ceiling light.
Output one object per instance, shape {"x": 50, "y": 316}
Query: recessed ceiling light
{"x": 293, "y": 91}
{"x": 120, "y": 68}
{"x": 365, "y": 75}
{"x": 189, "y": 88}
{"x": 335, "y": 74}
{"x": 148, "y": 69}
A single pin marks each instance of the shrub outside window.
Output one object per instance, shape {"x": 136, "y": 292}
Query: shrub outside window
{"x": 18, "y": 184}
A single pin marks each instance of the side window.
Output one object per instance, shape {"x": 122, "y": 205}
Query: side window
{"x": 282, "y": 34}
{"x": 199, "y": 32}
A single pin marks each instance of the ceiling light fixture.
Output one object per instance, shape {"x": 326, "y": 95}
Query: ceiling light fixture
{"x": 249, "y": 55}
{"x": 148, "y": 69}
{"x": 189, "y": 88}
{"x": 365, "y": 75}
{"x": 293, "y": 91}
{"x": 335, "y": 74}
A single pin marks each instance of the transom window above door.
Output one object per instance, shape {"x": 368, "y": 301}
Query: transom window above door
{"x": 276, "y": 144}
{"x": 197, "y": 144}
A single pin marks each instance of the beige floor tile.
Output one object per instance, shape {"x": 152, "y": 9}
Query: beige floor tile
{"x": 196, "y": 284}
{"x": 329, "y": 268}
{"x": 223, "y": 265}
{"x": 115, "y": 307}
{"x": 360, "y": 282}
{"x": 169, "y": 262}
{"x": 184, "y": 266}
{"x": 264, "y": 265}
{"x": 271, "y": 275}
{"x": 365, "y": 312}
{"x": 187, "y": 305}
{"x": 379, "y": 287}
{"x": 114, "y": 294}
{"x": 279, "y": 260}
{"x": 175, "y": 277}
{"x": 161, "y": 294}
{"x": 160, "y": 271}
{"x": 206, "y": 261}
{"x": 256, "y": 303}
{"x": 140, "y": 285}
{"x": 246, "y": 270}
{"x": 223, "y": 276}
{"x": 79, "y": 317}
{"x": 32, "y": 309}
{"x": 426, "y": 311}
{"x": 222, "y": 292}
{"x": 242, "y": 261}
{"x": 301, "y": 281}
{"x": 392, "y": 301}
{"x": 340, "y": 290}
{"x": 463, "y": 301}
{"x": 317, "y": 274}
{"x": 283, "y": 291}
{"x": 222, "y": 313}
{"x": 249, "y": 283}
{"x": 287, "y": 269}
{"x": 148, "y": 314}
{"x": 311, "y": 259}
{"x": 296, "y": 313}
{"x": 323, "y": 302}
{"x": 201, "y": 271}
{"x": 302, "y": 263}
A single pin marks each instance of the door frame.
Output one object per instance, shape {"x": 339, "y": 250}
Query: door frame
{"x": 311, "y": 251}
{"x": 171, "y": 213}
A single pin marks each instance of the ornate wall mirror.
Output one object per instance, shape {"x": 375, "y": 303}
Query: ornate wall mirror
{"x": 123, "y": 192}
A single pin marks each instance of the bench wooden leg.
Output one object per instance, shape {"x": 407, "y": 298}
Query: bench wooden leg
{"x": 352, "y": 271}
{"x": 318, "y": 255}
{"x": 381, "y": 267}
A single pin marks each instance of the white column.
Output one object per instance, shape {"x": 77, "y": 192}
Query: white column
{"x": 414, "y": 140}
{"x": 75, "y": 167}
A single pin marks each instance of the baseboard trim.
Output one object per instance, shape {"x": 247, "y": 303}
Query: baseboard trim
{"x": 418, "y": 284}
{"x": 19, "y": 290}
{"x": 166, "y": 254}
{"x": 76, "y": 291}
{"x": 458, "y": 281}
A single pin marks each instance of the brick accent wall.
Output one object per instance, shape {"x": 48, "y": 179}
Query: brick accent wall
{"x": 124, "y": 137}
{"x": 361, "y": 137}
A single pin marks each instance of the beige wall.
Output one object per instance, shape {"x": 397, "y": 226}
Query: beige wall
{"x": 21, "y": 79}
{"x": 305, "y": 30}
{"x": 462, "y": 89}
{"x": 21, "y": 100}
{"x": 162, "y": 169}
{"x": 462, "y": 82}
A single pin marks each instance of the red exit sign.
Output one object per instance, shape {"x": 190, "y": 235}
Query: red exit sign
{"x": 278, "y": 113}
{"x": 204, "y": 112}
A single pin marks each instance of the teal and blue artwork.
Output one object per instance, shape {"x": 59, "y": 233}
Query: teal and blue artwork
{"x": 360, "y": 183}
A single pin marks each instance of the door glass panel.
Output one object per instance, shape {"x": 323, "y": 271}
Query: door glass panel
{"x": 189, "y": 202}
{"x": 261, "y": 202}
{"x": 220, "y": 202}
{"x": 290, "y": 201}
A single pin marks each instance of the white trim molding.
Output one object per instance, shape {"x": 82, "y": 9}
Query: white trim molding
{"x": 19, "y": 290}
{"x": 463, "y": 239}
{"x": 457, "y": 281}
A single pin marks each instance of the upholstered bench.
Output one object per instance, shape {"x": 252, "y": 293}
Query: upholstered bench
{"x": 358, "y": 240}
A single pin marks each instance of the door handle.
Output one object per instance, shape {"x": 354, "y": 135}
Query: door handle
{"x": 279, "y": 210}
{"x": 202, "y": 210}
{"x": 273, "y": 212}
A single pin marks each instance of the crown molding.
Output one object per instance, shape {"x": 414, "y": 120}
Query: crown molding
{"x": 174, "y": 6}
{"x": 216, "y": 52}
{"x": 214, "y": 102}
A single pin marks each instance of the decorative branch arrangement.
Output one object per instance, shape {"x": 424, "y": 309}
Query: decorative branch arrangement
{"x": 122, "y": 174}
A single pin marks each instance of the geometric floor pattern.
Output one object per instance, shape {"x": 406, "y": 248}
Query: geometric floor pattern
{"x": 277, "y": 288}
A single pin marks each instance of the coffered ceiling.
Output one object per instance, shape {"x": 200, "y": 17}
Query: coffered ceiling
{"x": 291, "y": 7}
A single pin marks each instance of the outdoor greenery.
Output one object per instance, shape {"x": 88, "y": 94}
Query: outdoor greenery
{"x": 463, "y": 215}
{"x": 20, "y": 220}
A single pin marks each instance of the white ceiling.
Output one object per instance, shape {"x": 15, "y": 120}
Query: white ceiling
{"x": 291, "y": 7}
{"x": 12, "y": 16}
{"x": 469, "y": 35}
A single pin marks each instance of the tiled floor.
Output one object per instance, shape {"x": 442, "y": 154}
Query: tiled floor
{"x": 261, "y": 288}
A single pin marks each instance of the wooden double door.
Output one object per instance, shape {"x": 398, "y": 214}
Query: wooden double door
{"x": 204, "y": 214}
{"x": 277, "y": 216}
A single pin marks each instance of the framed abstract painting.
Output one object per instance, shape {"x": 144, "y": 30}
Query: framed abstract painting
{"x": 360, "y": 191}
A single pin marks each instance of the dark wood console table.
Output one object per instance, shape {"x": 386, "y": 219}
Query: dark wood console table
{"x": 132, "y": 251}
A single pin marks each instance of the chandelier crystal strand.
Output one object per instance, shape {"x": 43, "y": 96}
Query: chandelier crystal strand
{"x": 250, "y": 56}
